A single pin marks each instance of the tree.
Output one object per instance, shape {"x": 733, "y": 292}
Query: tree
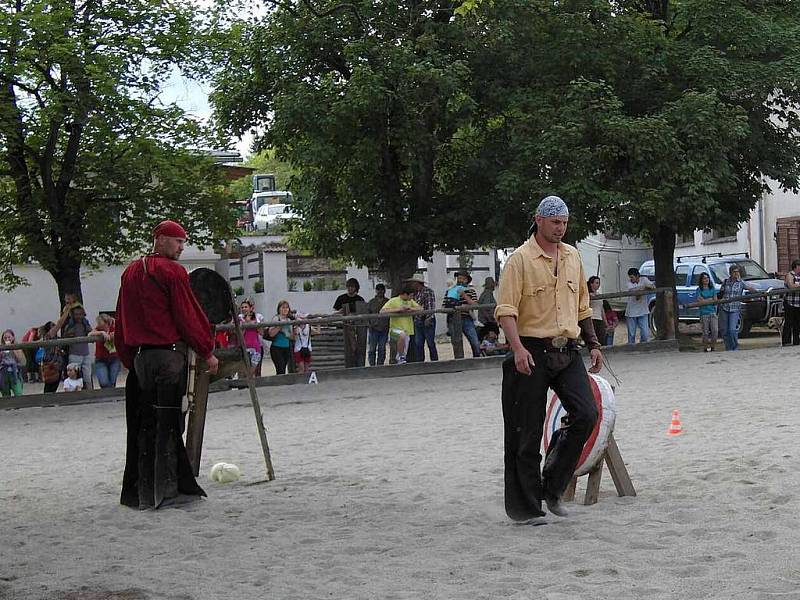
{"x": 651, "y": 118}
{"x": 93, "y": 158}
{"x": 371, "y": 103}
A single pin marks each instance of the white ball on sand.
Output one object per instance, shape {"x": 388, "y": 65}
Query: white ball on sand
{"x": 224, "y": 473}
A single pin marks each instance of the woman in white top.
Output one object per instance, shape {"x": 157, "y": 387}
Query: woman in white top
{"x": 302, "y": 344}
{"x": 598, "y": 314}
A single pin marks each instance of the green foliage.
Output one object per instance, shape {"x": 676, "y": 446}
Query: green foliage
{"x": 336, "y": 284}
{"x": 308, "y": 285}
{"x": 238, "y": 290}
{"x": 650, "y": 118}
{"x": 369, "y": 104}
{"x": 258, "y": 286}
{"x": 93, "y": 158}
{"x": 414, "y": 125}
{"x": 292, "y": 285}
{"x": 319, "y": 284}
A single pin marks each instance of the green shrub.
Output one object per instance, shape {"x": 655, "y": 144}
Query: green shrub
{"x": 292, "y": 283}
{"x": 238, "y": 290}
{"x": 258, "y": 286}
{"x": 307, "y": 285}
{"x": 319, "y": 284}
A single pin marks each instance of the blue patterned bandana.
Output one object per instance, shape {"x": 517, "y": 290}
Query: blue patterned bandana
{"x": 552, "y": 206}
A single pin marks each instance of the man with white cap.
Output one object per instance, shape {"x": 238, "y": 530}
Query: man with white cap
{"x": 543, "y": 306}
{"x": 158, "y": 317}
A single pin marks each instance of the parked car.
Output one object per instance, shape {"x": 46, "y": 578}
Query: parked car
{"x": 687, "y": 274}
{"x": 271, "y": 215}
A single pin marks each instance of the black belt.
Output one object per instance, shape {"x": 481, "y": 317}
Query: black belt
{"x": 176, "y": 347}
{"x": 558, "y": 344}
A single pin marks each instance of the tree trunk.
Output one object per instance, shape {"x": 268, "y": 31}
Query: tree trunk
{"x": 663, "y": 255}
{"x": 68, "y": 280}
{"x": 399, "y": 270}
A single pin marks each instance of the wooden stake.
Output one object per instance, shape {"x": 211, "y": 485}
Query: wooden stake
{"x": 569, "y": 493}
{"x": 593, "y": 485}
{"x": 251, "y": 386}
{"x": 198, "y": 405}
{"x": 616, "y": 466}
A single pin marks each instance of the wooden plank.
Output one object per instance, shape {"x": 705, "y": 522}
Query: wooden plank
{"x": 456, "y": 337}
{"x": 569, "y": 493}
{"x": 198, "y": 406}
{"x": 251, "y": 388}
{"x": 616, "y": 466}
{"x": 593, "y": 485}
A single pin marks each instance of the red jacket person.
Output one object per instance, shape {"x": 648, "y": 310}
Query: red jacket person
{"x": 158, "y": 318}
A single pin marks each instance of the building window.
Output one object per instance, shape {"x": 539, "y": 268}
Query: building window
{"x": 720, "y": 234}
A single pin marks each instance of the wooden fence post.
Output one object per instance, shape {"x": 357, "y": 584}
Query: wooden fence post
{"x": 670, "y": 316}
{"x": 455, "y": 335}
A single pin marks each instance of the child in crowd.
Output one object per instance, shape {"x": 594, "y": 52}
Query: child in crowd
{"x": 12, "y": 365}
{"x": 612, "y": 320}
{"x": 252, "y": 340}
{"x": 74, "y": 381}
{"x": 454, "y": 292}
{"x": 490, "y": 346}
{"x": 401, "y": 328}
{"x": 302, "y": 344}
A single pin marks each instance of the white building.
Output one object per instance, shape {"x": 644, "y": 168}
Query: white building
{"x": 771, "y": 236}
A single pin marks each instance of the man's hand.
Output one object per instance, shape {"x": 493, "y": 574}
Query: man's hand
{"x": 213, "y": 364}
{"x": 523, "y": 361}
{"x": 597, "y": 361}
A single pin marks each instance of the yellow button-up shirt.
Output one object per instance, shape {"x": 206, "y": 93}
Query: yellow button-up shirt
{"x": 543, "y": 304}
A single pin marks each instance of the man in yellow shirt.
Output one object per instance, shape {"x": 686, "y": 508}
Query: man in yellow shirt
{"x": 401, "y": 328}
{"x": 542, "y": 306}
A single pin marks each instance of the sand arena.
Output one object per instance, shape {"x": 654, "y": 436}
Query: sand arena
{"x": 392, "y": 489}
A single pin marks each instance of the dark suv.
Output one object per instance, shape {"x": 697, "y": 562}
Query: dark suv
{"x": 687, "y": 274}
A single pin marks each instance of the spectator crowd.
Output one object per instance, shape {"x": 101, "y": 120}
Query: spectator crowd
{"x": 409, "y": 335}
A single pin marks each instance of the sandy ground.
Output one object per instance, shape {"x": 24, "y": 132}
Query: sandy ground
{"x": 393, "y": 489}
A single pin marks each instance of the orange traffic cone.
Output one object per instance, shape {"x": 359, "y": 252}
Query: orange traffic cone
{"x": 675, "y": 427}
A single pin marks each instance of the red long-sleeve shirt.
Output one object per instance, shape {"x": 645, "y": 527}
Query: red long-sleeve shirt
{"x": 153, "y": 314}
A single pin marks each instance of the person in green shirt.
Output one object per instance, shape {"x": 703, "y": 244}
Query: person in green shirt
{"x": 401, "y": 328}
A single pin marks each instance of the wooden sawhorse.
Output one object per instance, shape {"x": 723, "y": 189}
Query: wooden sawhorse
{"x": 616, "y": 466}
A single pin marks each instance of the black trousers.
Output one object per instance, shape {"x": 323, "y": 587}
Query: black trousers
{"x": 524, "y": 406}
{"x": 281, "y": 358}
{"x": 790, "y": 334}
{"x": 156, "y": 464}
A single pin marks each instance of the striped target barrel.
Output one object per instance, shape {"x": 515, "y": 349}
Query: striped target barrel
{"x": 597, "y": 442}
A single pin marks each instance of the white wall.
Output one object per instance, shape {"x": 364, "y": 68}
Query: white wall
{"x": 37, "y": 303}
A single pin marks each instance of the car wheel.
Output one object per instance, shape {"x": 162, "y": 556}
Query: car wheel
{"x": 744, "y": 327}
{"x": 651, "y": 319}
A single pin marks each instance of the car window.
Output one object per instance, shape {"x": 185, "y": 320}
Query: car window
{"x": 750, "y": 270}
{"x": 649, "y": 272}
{"x": 276, "y": 209}
{"x": 681, "y": 271}
{"x": 696, "y": 275}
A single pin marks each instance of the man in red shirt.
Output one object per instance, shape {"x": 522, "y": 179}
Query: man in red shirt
{"x": 158, "y": 317}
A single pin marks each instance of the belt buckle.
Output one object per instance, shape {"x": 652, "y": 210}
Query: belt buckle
{"x": 560, "y": 342}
